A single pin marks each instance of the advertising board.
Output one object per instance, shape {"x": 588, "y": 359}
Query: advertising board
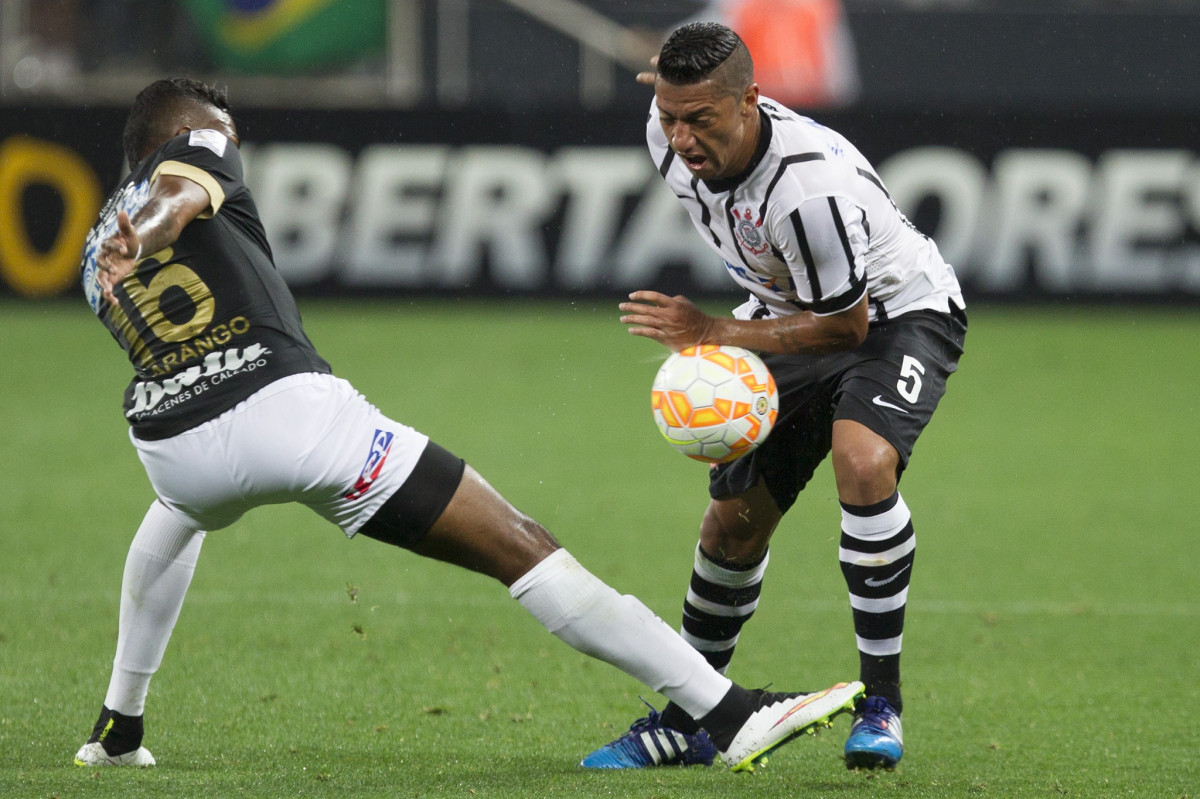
{"x": 1026, "y": 207}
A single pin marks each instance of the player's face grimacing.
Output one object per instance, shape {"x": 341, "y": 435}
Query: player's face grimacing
{"x": 713, "y": 131}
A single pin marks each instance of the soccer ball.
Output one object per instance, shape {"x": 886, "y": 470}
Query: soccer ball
{"x": 714, "y": 403}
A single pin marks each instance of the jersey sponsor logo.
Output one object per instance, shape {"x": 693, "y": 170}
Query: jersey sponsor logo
{"x": 209, "y": 139}
{"x": 833, "y": 142}
{"x": 130, "y": 199}
{"x": 381, "y": 445}
{"x": 779, "y": 284}
{"x": 748, "y": 230}
{"x": 212, "y": 337}
{"x": 151, "y": 397}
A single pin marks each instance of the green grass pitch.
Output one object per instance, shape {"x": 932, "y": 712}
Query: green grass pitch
{"x": 1053, "y": 644}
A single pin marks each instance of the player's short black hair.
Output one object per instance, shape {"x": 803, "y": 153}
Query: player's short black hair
{"x": 702, "y": 50}
{"x": 158, "y": 106}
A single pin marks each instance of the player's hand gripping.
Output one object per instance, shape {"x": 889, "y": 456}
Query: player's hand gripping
{"x": 674, "y": 322}
{"x": 118, "y": 256}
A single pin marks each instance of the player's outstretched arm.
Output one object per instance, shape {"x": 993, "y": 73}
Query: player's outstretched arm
{"x": 802, "y": 332}
{"x": 675, "y": 322}
{"x": 173, "y": 203}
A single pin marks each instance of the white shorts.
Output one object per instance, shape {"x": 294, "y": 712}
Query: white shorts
{"x": 308, "y": 438}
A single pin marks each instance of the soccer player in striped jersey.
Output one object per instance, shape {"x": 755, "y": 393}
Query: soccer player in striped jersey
{"x": 861, "y": 323}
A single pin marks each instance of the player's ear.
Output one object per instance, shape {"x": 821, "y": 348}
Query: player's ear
{"x": 749, "y": 99}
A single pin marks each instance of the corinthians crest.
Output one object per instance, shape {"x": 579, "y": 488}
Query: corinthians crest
{"x": 749, "y": 231}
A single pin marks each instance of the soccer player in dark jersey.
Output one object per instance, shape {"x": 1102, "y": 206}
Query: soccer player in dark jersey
{"x": 231, "y": 407}
{"x": 860, "y": 321}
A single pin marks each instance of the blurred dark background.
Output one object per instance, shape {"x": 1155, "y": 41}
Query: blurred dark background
{"x": 1128, "y": 54}
{"x": 497, "y": 146}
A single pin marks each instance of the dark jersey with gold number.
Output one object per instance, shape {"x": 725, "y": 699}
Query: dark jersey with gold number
{"x": 207, "y": 321}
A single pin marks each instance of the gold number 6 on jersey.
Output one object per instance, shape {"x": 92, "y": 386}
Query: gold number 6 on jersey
{"x": 148, "y": 301}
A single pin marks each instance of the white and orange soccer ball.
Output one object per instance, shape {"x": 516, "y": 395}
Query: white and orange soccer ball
{"x": 714, "y": 403}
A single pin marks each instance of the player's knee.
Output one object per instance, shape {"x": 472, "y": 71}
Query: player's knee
{"x": 735, "y": 539}
{"x": 520, "y": 543}
{"x": 866, "y": 473}
{"x": 533, "y": 538}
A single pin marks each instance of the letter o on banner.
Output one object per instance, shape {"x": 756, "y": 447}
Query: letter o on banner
{"x": 26, "y": 161}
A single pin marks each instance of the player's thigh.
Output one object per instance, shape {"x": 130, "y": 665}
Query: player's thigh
{"x": 191, "y": 479}
{"x": 899, "y": 376}
{"x": 308, "y": 438}
{"x": 737, "y": 529}
{"x": 444, "y": 509}
{"x": 245, "y": 457}
{"x": 349, "y": 460}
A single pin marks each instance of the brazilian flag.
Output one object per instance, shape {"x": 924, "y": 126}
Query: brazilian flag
{"x": 284, "y": 37}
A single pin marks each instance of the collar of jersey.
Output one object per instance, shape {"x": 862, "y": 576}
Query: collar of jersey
{"x": 764, "y": 141}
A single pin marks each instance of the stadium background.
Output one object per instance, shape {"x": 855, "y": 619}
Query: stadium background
{"x": 458, "y": 189}
{"x": 415, "y": 146}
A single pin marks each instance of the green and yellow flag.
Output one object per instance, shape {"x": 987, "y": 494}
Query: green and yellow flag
{"x": 290, "y": 36}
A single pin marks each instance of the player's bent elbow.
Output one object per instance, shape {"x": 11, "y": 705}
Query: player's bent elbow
{"x": 848, "y": 330}
{"x": 849, "y": 335}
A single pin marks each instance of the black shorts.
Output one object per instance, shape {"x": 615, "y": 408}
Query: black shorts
{"x": 891, "y": 384}
{"x": 407, "y": 515}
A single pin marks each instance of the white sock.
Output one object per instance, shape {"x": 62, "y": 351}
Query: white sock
{"x": 158, "y": 571}
{"x": 593, "y": 618}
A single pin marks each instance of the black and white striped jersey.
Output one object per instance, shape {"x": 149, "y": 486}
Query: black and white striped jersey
{"x": 809, "y": 226}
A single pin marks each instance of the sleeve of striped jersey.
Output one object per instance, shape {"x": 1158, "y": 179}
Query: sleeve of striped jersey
{"x": 656, "y": 141}
{"x": 823, "y": 242}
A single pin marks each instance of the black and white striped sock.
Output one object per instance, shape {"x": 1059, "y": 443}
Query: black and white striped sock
{"x": 720, "y": 599}
{"x": 877, "y": 549}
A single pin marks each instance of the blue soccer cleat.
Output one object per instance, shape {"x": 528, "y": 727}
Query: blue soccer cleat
{"x": 650, "y": 743}
{"x": 776, "y": 718}
{"x": 876, "y": 738}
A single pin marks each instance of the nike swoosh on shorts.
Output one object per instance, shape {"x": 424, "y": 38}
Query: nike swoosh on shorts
{"x": 879, "y": 400}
